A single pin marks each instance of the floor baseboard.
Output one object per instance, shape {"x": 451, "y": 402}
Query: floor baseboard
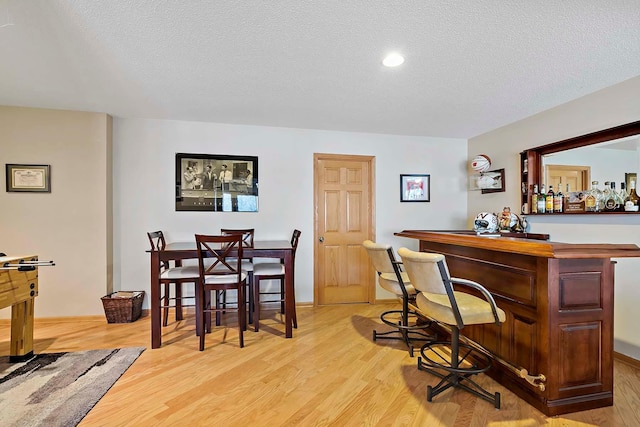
{"x": 626, "y": 359}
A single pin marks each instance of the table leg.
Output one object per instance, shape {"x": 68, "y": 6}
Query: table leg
{"x": 289, "y": 297}
{"x": 154, "y": 302}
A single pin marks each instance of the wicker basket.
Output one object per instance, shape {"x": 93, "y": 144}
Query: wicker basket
{"x": 123, "y": 306}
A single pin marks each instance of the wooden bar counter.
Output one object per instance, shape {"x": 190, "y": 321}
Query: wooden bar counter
{"x": 558, "y": 298}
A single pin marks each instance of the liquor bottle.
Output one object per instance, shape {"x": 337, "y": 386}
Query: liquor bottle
{"x": 566, "y": 196}
{"x": 600, "y": 197}
{"x": 623, "y": 195}
{"x": 542, "y": 200}
{"x": 558, "y": 200}
{"x": 534, "y": 199}
{"x": 549, "y": 200}
{"x": 631, "y": 202}
{"x": 592, "y": 201}
{"x": 616, "y": 194}
{"x": 609, "y": 197}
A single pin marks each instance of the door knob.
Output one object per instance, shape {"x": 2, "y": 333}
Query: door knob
{"x": 321, "y": 239}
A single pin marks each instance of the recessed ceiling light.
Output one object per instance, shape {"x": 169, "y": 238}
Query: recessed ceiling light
{"x": 393, "y": 60}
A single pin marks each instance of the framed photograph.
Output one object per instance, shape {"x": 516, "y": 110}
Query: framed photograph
{"x": 492, "y": 181}
{"x": 29, "y": 178}
{"x": 216, "y": 182}
{"x": 415, "y": 188}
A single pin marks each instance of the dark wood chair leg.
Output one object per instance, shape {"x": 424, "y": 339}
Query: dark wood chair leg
{"x": 178, "y": 291}
{"x": 204, "y": 304}
{"x": 250, "y": 285}
{"x": 165, "y": 303}
{"x": 256, "y": 304}
{"x": 282, "y": 309}
{"x": 242, "y": 315}
{"x": 218, "y": 315}
{"x": 294, "y": 317}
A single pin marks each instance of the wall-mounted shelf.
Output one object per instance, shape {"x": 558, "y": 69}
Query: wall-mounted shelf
{"x": 586, "y": 213}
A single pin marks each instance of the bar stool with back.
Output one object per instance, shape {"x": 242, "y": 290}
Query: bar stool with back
{"x": 177, "y": 276}
{"x": 273, "y": 271}
{"x": 452, "y": 361}
{"x": 393, "y": 279}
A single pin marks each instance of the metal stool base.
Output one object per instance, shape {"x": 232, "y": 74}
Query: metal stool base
{"x": 407, "y": 333}
{"x": 435, "y": 357}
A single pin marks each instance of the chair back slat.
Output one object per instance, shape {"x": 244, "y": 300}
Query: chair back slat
{"x": 294, "y": 240}
{"x": 214, "y": 254}
{"x": 156, "y": 239}
{"x": 246, "y": 233}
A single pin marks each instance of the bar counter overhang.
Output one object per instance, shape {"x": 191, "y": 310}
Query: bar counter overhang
{"x": 558, "y": 298}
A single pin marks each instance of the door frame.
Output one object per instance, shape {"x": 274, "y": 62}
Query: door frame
{"x": 371, "y": 234}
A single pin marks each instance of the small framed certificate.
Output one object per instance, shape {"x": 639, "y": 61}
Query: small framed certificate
{"x": 29, "y": 178}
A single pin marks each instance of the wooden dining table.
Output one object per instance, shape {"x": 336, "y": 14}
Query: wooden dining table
{"x": 179, "y": 251}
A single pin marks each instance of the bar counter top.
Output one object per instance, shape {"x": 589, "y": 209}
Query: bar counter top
{"x": 507, "y": 242}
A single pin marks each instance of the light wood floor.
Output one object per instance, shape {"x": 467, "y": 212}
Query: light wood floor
{"x": 329, "y": 374}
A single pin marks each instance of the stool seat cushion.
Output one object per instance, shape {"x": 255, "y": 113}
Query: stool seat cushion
{"x": 247, "y": 265}
{"x": 473, "y": 310}
{"x": 174, "y": 273}
{"x": 268, "y": 269}
{"x": 222, "y": 279}
{"x": 389, "y": 281}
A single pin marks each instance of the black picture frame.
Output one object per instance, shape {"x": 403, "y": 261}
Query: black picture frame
{"x": 496, "y": 178}
{"x": 24, "y": 178}
{"x": 232, "y": 185}
{"x": 415, "y": 188}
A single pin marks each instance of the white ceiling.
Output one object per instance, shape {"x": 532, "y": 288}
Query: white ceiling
{"x": 471, "y": 66}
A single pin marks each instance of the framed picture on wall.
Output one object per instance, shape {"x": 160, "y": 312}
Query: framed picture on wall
{"x": 492, "y": 181}
{"x": 28, "y": 178}
{"x": 216, "y": 182}
{"x": 415, "y": 188}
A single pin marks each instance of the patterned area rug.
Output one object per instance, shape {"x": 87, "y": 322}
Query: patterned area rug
{"x": 59, "y": 389}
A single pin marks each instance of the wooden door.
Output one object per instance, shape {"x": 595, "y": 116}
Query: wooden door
{"x": 576, "y": 176}
{"x": 343, "y": 194}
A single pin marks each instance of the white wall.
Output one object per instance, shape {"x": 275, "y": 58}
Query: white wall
{"x": 144, "y": 176}
{"x": 610, "y": 107}
{"x": 72, "y": 224}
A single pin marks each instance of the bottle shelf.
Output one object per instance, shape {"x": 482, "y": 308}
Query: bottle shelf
{"x": 583, "y": 213}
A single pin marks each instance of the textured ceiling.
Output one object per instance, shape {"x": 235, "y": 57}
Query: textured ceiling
{"x": 471, "y": 66}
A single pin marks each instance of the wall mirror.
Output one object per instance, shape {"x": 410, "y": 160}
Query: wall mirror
{"x": 607, "y": 155}
{"x": 614, "y": 161}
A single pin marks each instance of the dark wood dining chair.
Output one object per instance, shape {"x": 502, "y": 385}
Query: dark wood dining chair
{"x": 247, "y": 263}
{"x": 273, "y": 271}
{"x": 219, "y": 272}
{"x": 176, "y": 276}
